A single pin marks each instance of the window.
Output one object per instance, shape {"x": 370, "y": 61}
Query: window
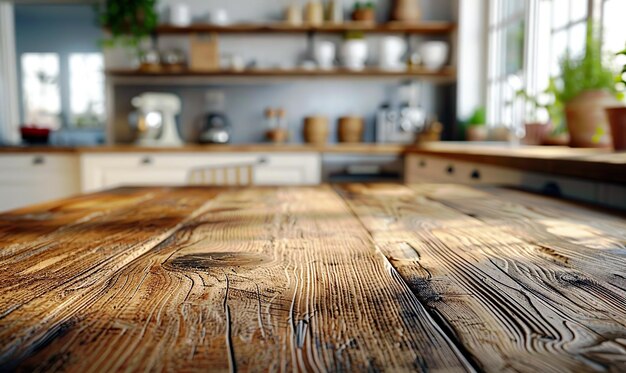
{"x": 551, "y": 28}
{"x": 86, "y": 89}
{"x": 41, "y": 91}
{"x": 507, "y": 24}
{"x": 613, "y": 34}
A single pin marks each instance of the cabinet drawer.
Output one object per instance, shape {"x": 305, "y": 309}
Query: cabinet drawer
{"x": 23, "y": 162}
{"x": 437, "y": 169}
{"x": 101, "y": 171}
{"x": 27, "y": 179}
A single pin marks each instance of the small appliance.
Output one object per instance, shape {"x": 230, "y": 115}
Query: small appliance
{"x": 401, "y": 125}
{"x": 215, "y": 124}
{"x": 156, "y": 119}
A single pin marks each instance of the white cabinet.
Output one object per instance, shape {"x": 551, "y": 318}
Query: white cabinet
{"x": 107, "y": 170}
{"x": 424, "y": 168}
{"x": 27, "y": 179}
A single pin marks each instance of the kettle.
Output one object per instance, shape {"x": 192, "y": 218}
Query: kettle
{"x": 215, "y": 129}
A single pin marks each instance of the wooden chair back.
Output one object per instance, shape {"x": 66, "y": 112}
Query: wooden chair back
{"x": 239, "y": 174}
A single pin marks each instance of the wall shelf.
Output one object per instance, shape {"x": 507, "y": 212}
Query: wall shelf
{"x": 426, "y": 27}
{"x": 445, "y": 75}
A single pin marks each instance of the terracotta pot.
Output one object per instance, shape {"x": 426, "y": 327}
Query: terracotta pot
{"x": 405, "y": 11}
{"x": 617, "y": 119}
{"x": 536, "y": 133}
{"x": 476, "y": 133}
{"x": 501, "y": 133}
{"x": 586, "y": 118}
{"x": 364, "y": 15}
{"x": 350, "y": 129}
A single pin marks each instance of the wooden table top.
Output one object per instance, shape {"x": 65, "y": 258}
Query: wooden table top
{"x": 428, "y": 277}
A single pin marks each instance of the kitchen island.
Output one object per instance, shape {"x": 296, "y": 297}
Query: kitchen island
{"x": 353, "y": 277}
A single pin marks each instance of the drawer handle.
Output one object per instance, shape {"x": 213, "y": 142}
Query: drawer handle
{"x": 263, "y": 160}
{"x": 422, "y": 163}
{"x": 450, "y": 170}
{"x": 39, "y": 160}
{"x": 475, "y": 175}
{"x": 146, "y": 160}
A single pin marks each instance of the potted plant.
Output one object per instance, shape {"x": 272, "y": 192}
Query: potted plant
{"x": 617, "y": 115}
{"x": 127, "y": 21}
{"x": 547, "y": 129}
{"x": 587, "y": 87}
{"x": 476, "y": 126}
{"x": 364, "y": 12}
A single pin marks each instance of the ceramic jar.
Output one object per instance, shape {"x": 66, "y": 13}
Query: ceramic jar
{"x": 354, "y": 53}
{"x": 324, "y": 54}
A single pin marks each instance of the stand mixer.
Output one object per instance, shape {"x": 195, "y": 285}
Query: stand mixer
{"x": 156, "y": 122}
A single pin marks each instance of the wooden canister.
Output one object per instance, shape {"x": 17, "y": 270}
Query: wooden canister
{"x": 406, "y": 11}
{"x": 314, "y": 13}
{"x": 315, "y": 129}
{"x": 350, "y": 129}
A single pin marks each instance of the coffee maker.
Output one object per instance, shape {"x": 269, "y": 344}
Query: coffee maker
{"x": 400, "y": 125}
{"x": 156, "y": 119}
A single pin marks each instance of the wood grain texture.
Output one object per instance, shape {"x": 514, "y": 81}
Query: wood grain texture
{"x": 257, "y": 279}
{"x": 52, "y": 255}
{"x": 520, "y": 289}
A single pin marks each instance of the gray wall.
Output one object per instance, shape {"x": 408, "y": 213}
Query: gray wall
{"x": 71, "y": 28}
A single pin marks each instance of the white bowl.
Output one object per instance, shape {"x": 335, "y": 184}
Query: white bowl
{"x": 434, "y": 54}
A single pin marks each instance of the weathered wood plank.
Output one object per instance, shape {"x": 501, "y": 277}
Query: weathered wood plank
{"x": 80, "y": 243}
{"x": 264, "y": 279}
{"x": 511, "y": 306}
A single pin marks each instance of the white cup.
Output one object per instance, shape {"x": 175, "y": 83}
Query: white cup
{"x": 434, "y": 54}
{"x": 325, "y": 54}
{"x": 180, "y": 15}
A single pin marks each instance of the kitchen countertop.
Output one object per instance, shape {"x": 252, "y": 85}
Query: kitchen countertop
{"x": 339, "y": 278}
{"x": 329, "y": 148}
{"x": 592, "y": 164}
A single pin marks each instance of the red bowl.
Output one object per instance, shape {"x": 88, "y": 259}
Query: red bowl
{"x": 35, "y": 135}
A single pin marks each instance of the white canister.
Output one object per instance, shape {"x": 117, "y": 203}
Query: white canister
{"x": 180, "y": 14}
{"x": 392, "y": 50}
{"x": 219, "y": 17}
{"x": 434, "y": 54}
{"x": 354, "y": 54}
{"x": 324, "y": 54}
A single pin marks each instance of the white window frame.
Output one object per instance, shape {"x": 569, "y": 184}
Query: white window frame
{"x": 496, "y": 32}
{"x": 532, "y": 82}
{"x": 9, "y": 93}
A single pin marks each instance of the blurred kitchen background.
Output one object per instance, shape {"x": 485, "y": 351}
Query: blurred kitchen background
{"x": 97, "y": 94}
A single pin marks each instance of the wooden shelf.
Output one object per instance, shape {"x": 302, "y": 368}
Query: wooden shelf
{"x": 426, "y": 27}
{"x": 445, "y": 74}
